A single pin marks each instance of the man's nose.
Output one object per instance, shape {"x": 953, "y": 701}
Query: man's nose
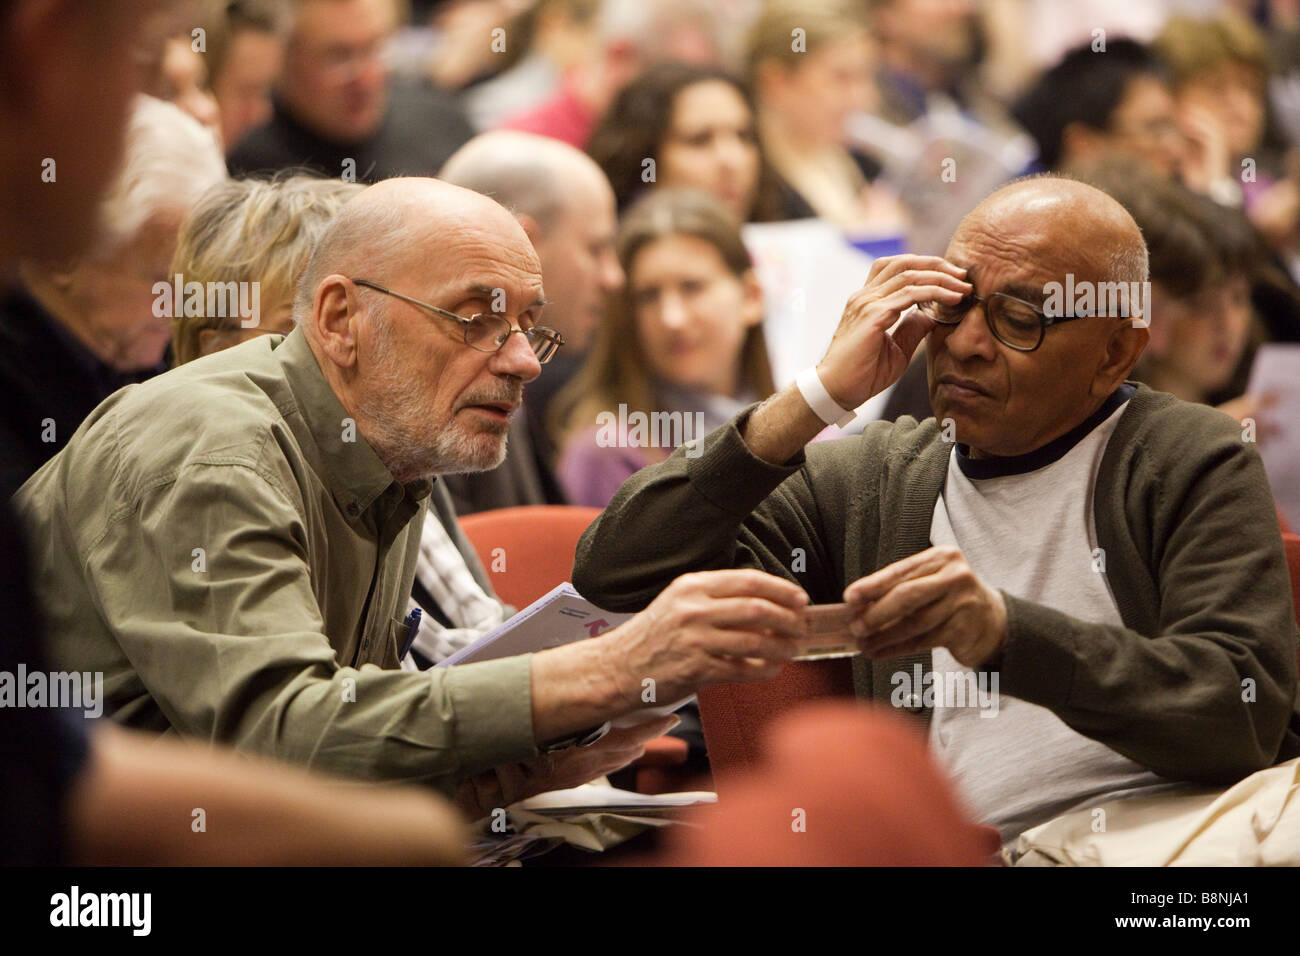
{"x": 972, "y": 337}
{"x": 516, "y": 358}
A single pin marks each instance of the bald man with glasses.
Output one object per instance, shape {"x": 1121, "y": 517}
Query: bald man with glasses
{"x": 233, "y": 544}
{"x": 1102, "y": 562}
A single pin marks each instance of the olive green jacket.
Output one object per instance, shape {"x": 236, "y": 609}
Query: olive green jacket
{"x": 225, "y": 547}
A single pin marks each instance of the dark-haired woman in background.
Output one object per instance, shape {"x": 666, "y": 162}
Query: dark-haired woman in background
{"x": 1203, "y": 260}
{"x": 681, "y": 125}
{"x": 685, "y": 335}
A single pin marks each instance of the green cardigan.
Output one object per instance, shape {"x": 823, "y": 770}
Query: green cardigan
{"x": 1193, "y": 556}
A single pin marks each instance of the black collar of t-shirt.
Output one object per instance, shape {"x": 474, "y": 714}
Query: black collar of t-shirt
{"x": 979, "y": 468}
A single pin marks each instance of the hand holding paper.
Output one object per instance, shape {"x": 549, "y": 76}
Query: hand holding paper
{"x": 930, "y": 599}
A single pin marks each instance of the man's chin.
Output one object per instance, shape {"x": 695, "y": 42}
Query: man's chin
{"x": 484, "y": 455}
{"x": 959, "y": 426}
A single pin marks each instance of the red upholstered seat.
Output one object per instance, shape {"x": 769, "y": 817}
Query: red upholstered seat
{"x": 735, "y": 715}
{"x": 529, "y": 550}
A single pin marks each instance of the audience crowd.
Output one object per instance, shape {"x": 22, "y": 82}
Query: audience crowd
{"x": 292, "y": 286}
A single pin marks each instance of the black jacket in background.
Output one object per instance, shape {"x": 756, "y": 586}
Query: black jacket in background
{"x": 49, "y": 381}
{"x": 422, "y": 128}
{"x": 41, "y": 748}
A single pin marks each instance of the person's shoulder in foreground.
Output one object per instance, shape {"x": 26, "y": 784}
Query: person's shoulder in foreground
{"x": 217, "y": 410}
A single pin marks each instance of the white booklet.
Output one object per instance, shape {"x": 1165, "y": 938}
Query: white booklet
{"x": 561, "y": 616}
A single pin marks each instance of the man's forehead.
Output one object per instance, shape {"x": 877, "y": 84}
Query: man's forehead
{"x": 1026, "y": 252}
{"x": 517, "y": 295}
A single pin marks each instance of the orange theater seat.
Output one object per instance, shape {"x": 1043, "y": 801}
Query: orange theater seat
{"x": 735, "y": 716}
{"x": 529, "y": 550}
{"x": 838, "y": 784}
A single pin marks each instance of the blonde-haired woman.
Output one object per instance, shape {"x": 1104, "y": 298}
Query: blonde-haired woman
{"x": 809, "y": 64}
{"x": 680, "y": 352}
{"x": 250, "y": 231}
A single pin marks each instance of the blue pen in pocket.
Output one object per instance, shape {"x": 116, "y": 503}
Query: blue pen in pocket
{"x": 412, "y": 629}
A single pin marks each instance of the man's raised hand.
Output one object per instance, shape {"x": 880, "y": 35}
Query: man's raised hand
{"x": 864, "y": 357}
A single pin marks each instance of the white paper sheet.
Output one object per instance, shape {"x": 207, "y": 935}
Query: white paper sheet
{"x": 807, "y": 270}
{"x": 1277, "y": 370}
{"x": 603, "y": 797}
{"x": 561, "y": 616}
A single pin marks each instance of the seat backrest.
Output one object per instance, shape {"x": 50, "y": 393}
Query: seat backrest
{"x": 734, "y": 715}
{"x": 528, "y": 550}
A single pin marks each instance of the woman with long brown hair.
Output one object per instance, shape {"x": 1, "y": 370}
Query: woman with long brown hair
{"x": 680, "y": 352}
{"x": 680, "y": 125}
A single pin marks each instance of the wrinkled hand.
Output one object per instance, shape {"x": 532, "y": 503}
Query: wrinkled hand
{"x": 501, "y": 786}
{"x": 864, "y": 358}
{"x": 707, "y": 627}
{"x": 931, "y": 599}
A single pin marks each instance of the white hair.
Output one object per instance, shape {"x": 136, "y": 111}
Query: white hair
{"x": 171, "y": 160}
{"x": 1130, "y": 262}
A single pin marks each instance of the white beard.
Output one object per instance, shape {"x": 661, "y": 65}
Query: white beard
{"x": 406, "y": 435}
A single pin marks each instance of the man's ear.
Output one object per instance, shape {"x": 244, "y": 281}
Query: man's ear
{"x": 1122, "y": 352}
{"x": 334, "y": 317}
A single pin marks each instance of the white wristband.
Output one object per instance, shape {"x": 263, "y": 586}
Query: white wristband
{"x": 819, "y": 400}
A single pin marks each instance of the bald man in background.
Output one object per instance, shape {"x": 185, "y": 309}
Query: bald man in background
{"x": 1110, "y": 554}
{"x": 566, "y": 206}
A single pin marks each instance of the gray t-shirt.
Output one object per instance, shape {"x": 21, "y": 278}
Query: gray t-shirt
{"x": 1032, "y": 535}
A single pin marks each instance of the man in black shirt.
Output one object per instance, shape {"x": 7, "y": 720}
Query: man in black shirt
{"x": 337, "y": 110}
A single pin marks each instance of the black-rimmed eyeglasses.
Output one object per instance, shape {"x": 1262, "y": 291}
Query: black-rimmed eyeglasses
{"x": 485, "y": 331}
{"x": 1017, "y": 324}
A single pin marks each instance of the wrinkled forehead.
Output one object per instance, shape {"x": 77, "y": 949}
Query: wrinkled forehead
{"x": 484, "y": 256}
{"x": 1026, "y": 246}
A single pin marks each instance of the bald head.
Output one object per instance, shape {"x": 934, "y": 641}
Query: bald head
{"x": 1071, "y": 218}
{"x": 399, "y": 224}
{"x": 567, "y": 206}
{"x": 528, "y": 174}
{"x": 397, "y": 304}
{"x": 1022, "y": 370}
